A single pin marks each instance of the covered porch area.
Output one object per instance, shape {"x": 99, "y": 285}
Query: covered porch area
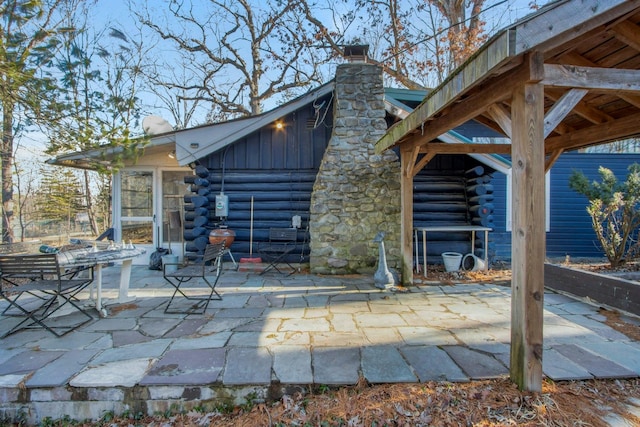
{"x": 561, "y": 79}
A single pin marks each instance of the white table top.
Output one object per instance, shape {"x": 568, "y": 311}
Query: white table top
{"x": 453, "y": 228}
{"x": 88, "y": 256}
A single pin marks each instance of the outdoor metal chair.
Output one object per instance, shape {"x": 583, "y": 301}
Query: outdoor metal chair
{"x": 179, "y": 274}
{"x": 282, "y": 241}
{"x": 38, "y": 288}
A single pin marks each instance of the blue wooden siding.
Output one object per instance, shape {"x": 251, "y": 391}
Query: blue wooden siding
{"x": 570, "y": 230}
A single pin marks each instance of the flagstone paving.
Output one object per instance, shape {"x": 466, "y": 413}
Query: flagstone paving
{"x": 289, "y": 331}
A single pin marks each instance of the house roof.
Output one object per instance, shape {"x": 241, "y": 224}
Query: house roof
{"x": 588, "y": 53}
{"x": 195, "y": 143}
{"x": 396, "y": 105}
{"x": 102, "y": 157}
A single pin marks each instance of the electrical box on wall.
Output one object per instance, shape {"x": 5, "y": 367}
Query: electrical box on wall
{"x": 222, "y": 205}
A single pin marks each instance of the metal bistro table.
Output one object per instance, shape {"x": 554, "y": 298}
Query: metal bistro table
{"x": 450, "y": 228}
{"x": 98, "y": 259}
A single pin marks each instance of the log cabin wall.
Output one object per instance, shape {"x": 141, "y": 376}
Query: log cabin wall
{"x": 453, "y": 190}
{"x": 279, "y": 169}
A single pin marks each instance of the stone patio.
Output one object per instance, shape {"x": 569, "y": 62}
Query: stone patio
{"x": 276, "y": 334}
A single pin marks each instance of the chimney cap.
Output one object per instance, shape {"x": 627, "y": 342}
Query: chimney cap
{"x": 356, "y": 52}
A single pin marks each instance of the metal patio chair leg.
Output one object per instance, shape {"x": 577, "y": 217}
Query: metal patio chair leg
{"x": 194, "y": 272}
{"x": 40, "y": 275}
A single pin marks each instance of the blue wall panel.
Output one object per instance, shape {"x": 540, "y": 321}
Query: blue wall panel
{"x": 570, "y": 231}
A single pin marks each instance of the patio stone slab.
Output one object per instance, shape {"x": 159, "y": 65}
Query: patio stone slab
{"x": 311, "y": 325}
{"x": 59, "y": 371}
{"x": 336, "y": 365}
{"x": 259, "y": 325}
{"x": 475, "y": 364}
{"x": 186, "y": 327}
{"x": 241, "y": 312}
{"x": 371, "y": 320}
{"x": 433, "y": 364}
{"x": 28, "y": 361}
{"x": 596, "y": 365}
{"x": 121, "y": 338}
{"x": 153, "y": 348}
{"x": 111, "y": 324}
{"x": 216, "y": 340}
{"x": 384, "y": 364}
{"x": 626, "y": 354}
{"x": 381, "y": 336}
{"x": 599, "y": 328}
{"x": 247, "y": 365}
{"x": 292, "y": 364}
{"x": 124, "y": 373}
{"x": 156, "y": 327}
{"x": 560, "y": 368}
{"x": 426, "y": 335}
{"x": 77, "y": 339}
{"x": 189, "y": 367}
{"x": 334, "y": 339}
{"x": 9, "y": 386}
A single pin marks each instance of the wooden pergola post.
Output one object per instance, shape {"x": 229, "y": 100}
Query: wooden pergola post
{"x": 528, "y": 233}
{"x": 406, "y": 220}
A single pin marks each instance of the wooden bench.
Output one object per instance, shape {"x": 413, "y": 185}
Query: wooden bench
{"x": 36, "y": 287}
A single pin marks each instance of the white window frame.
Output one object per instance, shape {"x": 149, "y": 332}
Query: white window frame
{"x": 547, "y": 204}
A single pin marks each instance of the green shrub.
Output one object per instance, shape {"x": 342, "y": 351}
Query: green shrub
{"x": 614, "y": 210}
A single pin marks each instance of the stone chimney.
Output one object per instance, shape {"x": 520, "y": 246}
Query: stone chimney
{"x": 356, "y": 193}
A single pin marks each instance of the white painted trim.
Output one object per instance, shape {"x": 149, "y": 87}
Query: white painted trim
{"x": 116, "y": 195}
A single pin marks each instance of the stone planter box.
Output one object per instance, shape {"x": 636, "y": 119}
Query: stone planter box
{"x": 603, "y": 289}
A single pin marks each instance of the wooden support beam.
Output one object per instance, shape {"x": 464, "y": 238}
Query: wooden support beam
{"x": 597, "y": 134}
{"x": 528, "y": 236}
{"x": 589, "y": 113}
{"x": 502, "y": 117}
{"x": 472, "y": 148}
{"x": 575, "y": 58}
{"x": 413, "y": 153}
{"x": 562, "y": 108}
{"x": 406, "y": 216}
{"x": 428, "y": 128}
{"x": 552, "y": 159}
{"x": 628, "y": 33}
{"x": 598, "y": 79}
{"x": 422, "y": 163}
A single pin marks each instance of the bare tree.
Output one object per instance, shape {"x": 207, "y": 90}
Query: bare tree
{"x": 417, "y": 42}
{"x": 25, "y": 183}
{"x": 240, "y": 52}
{"x": 168, "y": 87}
